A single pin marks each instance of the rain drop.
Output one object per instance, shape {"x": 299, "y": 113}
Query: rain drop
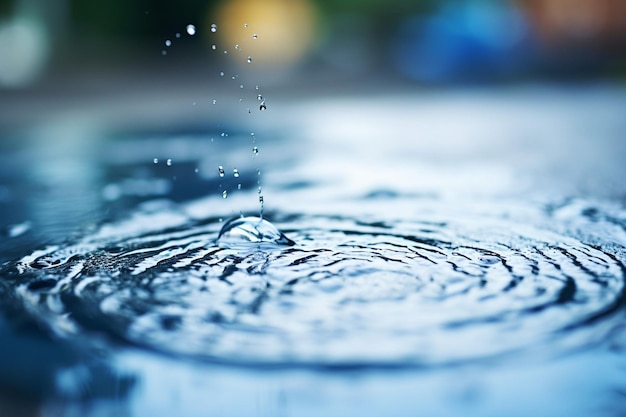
{"x": 236, "y": 173}
{"x": 221, "y": 73}
{"x": 245, "y": 25}
{"x": 214, "y": 47}
{"x": 220, "y": 169}
{"x": 255, "y": 150}
{"x": 237, "y": 47}
{"x": 249, "y": 60}
{"x": 224, "y": 194}
{"x": 178, "y": 35}
{"x": 155, "y": 160}
{"x": 213, "y": 27}
{"x": 169, "y": 162}
{"x": 168, "y": 43}
{"x": 214, "y": 101}
{"x": 259, "y": 97}
{"x": 255, "y": 36}
{"x": 262, "y": 106}
{"x": 241, "y": 86}
{"x": 191, "y": 30}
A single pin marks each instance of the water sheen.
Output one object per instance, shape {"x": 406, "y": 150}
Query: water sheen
{"x": 338, "y": 291}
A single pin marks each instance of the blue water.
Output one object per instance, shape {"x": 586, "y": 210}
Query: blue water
{"x": 453, "y": 252}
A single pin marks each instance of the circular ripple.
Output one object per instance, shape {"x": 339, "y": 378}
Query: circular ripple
{"x": 348, "y": 293}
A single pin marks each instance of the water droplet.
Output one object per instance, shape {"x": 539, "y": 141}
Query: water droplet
{"x": 164, "y": 52}
{"x": 214, "y": 101}
{"x": 221, "y": 73}
{"x": 241, "y": 86}
{"x": 196, "y": 170}
{"x": 255, "y": 36}
{"x": 168, "y": 43}
{"x": 224, "y": 194}
{"x": 237, "y": 47}
{"x": 178, "y": 35}
{"x": 193, "y": 104}
{"x": 246, "y": 230}
{"x": 155, "y": 160}
{"x": 191, "y": 30}
{"x": 255, "y": 150}
{"x": 169, "y": 162}
{"x": 236, "y": 173}
{"x": 256, "y": 87}
{"x": 225, "y": 51}
{"x": 262, "y": 106}
{"x": 213, "y": 27}
{"x": 239, "y": 186}
{"x": 220, "y": 169}
{"x": 245, "y": 25}
{"x": 233, "y": 77}
{"x": 249, "y": 59}
{"x": 249, "y": 111}
{"x": 259, "y": 97}
{"x": 214, "y": 47}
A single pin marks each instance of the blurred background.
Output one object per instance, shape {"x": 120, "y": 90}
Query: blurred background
{"x": 425, "y": 41}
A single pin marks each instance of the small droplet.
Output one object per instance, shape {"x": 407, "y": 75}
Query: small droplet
{"x": 239, "y": 186}
{"x": 155, "y": 160}
{"x": 214, "y": 101}
{"x": 168, "y": 43}
{"x": 241, "y": 86}
{"x": 214, "y": 47}
{"x": 259, "y": 97}
{"x": 249, "y": 59}
{"x": 164, "y": 52}
{"x": 256, "y": 87}
{"x": 221, "y": 73}
{"x": 236, "y": 173}
{"x": 245, "y": 25}
{"x": 191, "y": 30}
{"x": 220, "y": 169}
{"x": 255, "y": 150}
{"x": 178, "y": 35}
{"x": 237, "y": 47}
{"x": 225, "y": 51}
{"x": 193, "y": 104}
{"x": 255, "y": 36}
{"x": 262, "y": 106}
{"x": 224, "y": 194}
{"x": 169, "y": 162}
{"x": 213, "y": 27}
{"x": 196, "y": 170}
{"x": 233, "y": 78}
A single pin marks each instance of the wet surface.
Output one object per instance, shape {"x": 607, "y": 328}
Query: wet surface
{"x": 396, "y": 251}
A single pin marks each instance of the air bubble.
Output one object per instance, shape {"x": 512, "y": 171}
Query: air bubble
{"x": 220, "y": 169}
{"x": 191, "y": 30}
{"x": 213, "y": 27}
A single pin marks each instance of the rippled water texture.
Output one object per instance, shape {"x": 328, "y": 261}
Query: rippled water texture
{"x": 475, "y": 245}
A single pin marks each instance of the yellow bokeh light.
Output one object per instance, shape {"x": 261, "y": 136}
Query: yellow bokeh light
{"x": 273, "y": 33}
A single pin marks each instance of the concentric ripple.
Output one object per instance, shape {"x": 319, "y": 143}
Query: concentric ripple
{"x": 348, "y": 293}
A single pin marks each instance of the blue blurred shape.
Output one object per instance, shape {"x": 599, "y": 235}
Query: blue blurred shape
{"x": 463, "y": 41}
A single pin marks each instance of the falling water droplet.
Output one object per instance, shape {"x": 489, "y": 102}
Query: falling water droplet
{"x": 214, "y": 47}
{"x": 220, "y": 169}
{"x": 239, "y": 186}
{"x": 245, "y": 25}
{"x": 259, "y": 97}
{"x": 262, "y": 106}
{"x": 224, "y": 194}
{"x": 168, "y": 43}
{"x": 155, "y": 160}
{"x": 191, "y": 30}
{"x": 164, "y": 52}
{"x": 169, "y": 162}
{"x": 237, "y": 47}
{"x": 193, "y": 104}
{"x": 213, "y": 27}
{"x": 178, "y": 35}
{"x": 256, "y": 87}
{"x": 214, "y": 101}
{"x": 255, "y": 150}
{"x": 196, "y": 170}
{"x": 236, "y": 173}
{"x": 255, "y": 36}
{"x": 240, "y": 86}
{"x": 221, "y": 73}
{"x": 249, "y": 60}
